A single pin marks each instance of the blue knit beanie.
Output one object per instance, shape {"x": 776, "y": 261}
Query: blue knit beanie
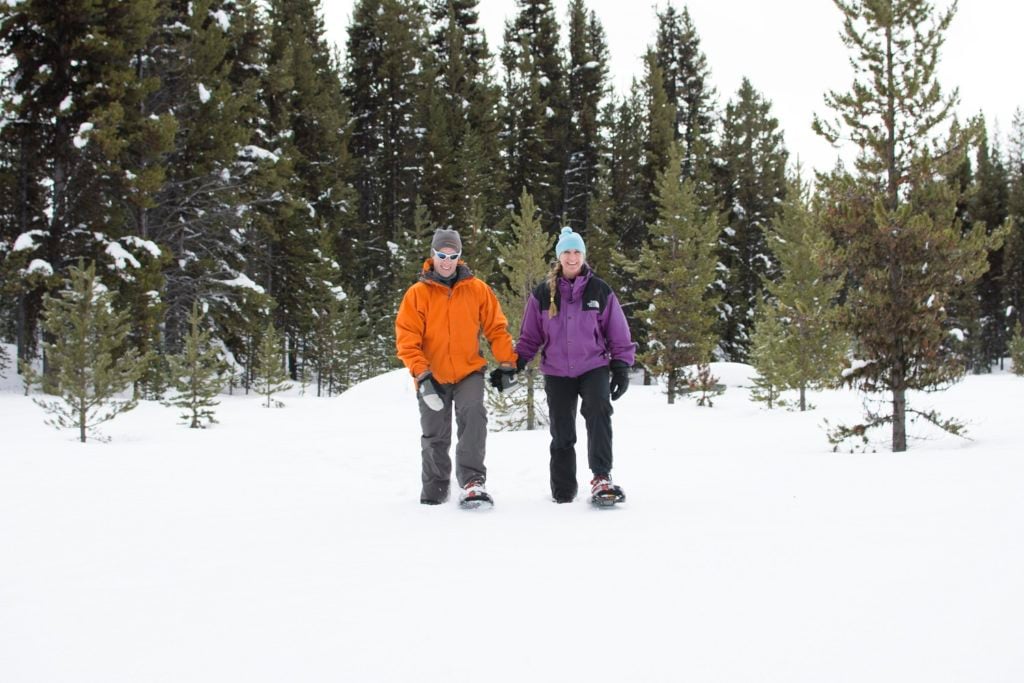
{"x": 569, "y": 240}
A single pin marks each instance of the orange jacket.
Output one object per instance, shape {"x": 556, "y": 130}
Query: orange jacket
{"x": 438, "y": 328}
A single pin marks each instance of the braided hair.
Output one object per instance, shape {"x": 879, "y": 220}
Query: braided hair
{"x": 553, "y": 275}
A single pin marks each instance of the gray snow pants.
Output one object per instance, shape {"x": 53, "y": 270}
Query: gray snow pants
{"x": 467, "y": 395}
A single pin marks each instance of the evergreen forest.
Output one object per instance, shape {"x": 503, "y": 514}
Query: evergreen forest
{"x": 226, "y": 176}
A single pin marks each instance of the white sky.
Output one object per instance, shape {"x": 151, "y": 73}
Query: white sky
{"x": 791, "y": 52}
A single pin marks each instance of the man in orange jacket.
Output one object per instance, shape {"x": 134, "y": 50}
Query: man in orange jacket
{"x": 438, "y": 331}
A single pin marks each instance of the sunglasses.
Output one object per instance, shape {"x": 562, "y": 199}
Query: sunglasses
{"x": 443, "y": 256}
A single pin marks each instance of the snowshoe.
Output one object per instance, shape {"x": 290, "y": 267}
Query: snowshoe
{"x": 603, "y": 493}
{"x": 474, "y": 495}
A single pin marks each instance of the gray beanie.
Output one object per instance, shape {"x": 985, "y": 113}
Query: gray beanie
{"x": 446, "y": 238}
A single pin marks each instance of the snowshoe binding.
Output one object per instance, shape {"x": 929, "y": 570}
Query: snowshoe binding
{"x": 474, "y": 495}
{"x": 605, "y": 494}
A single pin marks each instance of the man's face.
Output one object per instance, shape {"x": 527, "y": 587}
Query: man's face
{"x": 443, "y": 265}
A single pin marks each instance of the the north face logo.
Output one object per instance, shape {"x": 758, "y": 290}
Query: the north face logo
{"x": 593, "y": 303}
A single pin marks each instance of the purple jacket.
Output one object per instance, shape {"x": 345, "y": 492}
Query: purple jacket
{"x": 589, "y": 331}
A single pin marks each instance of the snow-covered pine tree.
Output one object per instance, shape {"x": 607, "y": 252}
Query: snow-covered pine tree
{"x": 686, "y": 81}
{"x": 804, "y": 299}
{"x": 413, "y": 248}
{"x": 384, "y": 82}
{"x": 196, "y": 375}
{"x": 463, "y": 175}
{"x": 525, "y": 264}
{"x": 338, "y": 342}
{"x": 751, "y": 181}
{"x": 314, "y": 228}
{"x": 90, "y": 360}
{"x": 680, "y": 265}
{"x": 271, "y": 375}
{"x": 895, "y": 220}
{"x": 536, "y": 119}
{"x": 68, "y": 93}
{"x": 5, "y": 361}
{"x": 236, "y": 294}
{"x": 587, "y": 76}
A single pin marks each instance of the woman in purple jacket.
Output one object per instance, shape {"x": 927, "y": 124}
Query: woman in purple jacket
{"x": 574, "y": 319}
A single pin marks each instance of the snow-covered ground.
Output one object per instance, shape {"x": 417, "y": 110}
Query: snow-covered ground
{"x": 289, "y": 545}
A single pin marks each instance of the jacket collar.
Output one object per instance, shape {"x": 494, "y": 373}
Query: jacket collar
{"x": 576, "y": 286}
{"x": 428, "y": 274}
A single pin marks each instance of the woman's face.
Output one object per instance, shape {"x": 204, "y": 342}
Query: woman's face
{"x": 572, "y": 261}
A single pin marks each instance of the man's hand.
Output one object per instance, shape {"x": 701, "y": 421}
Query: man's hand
{"x": 428, "y": 392}
{"x": 503, "y": 377}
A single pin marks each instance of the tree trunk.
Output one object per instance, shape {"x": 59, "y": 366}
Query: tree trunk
{"x": 899, "y": 420}
{"x": 531, "y": 416}
{"x": 671, "y": 388}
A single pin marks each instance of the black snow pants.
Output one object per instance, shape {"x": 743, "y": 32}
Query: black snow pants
{"x": 563, "y": 394}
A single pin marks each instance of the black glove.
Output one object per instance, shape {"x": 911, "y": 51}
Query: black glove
{"x": 521, "y": 363}
{"x": 426, "y": 386}
{"x": 502, "y": 378}
{"x": 620, "y": 379}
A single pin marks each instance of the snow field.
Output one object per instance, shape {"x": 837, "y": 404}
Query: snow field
{"x": 289, "y": 544}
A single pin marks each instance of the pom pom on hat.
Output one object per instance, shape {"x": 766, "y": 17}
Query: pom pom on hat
{"x": 569, "y": 239}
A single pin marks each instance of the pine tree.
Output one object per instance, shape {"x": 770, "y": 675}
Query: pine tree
{"x": 752, "y": 183}
{"x": 5, "y": 361}
{"x": 660, "y": 115}
{"x": 588, "y": 87}
{"x": 337, "y": 346}
{"x": 657, "y": 129}
{"x": 414, "y": 248}
{"x": 236, "y": 294}
{"x": 196, "y": 374}
{"x": 803, "y": 300}
{"x": 964, "y": 307}
{"x": 536, "y": 119}
{"x": 680, "y": 264}
{"x": 622, "y": 204}
{"x": 462, "y": 149}
{"x": 317, "y": 224}
{"x": 687, "y": 85}
{"x": 203, "y": 58}
{"x": 625, "y": 169}
{"x": 769, "y": 355}
{"x": 895, "y": 223}
{"x": 1016, "y": 349}
{"x": 271, "y": 375}
{"x": 1013, "y": 260}
{"x": 68, "y": 96}
{"x": 525, "y": 263}
{"x": 990, "y": 206}
{"x": 90, "y": 360}
{"x": 383, "y": 81}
